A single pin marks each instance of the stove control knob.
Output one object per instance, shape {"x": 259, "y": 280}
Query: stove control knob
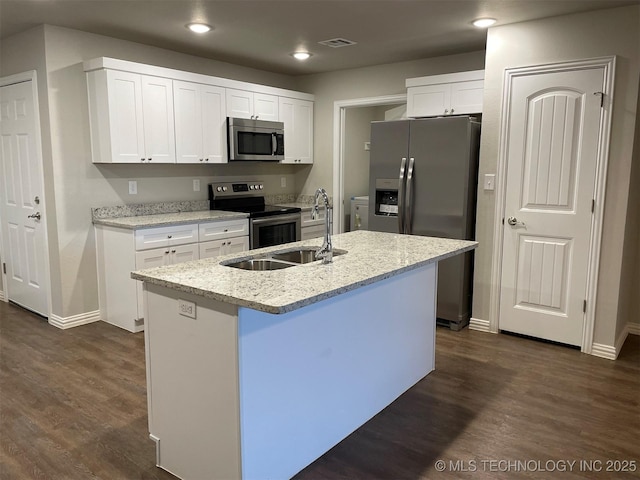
{"x": 218, "y": 189}
{"x": 261, "y": 186}
{"x": 250, "y": 187}
{"x": 224, "y": 189}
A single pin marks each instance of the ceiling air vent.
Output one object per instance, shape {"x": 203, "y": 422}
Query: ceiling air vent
{"x": 337, "y": 42}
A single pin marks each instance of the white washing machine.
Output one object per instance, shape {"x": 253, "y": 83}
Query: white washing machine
{"x": 359, "y": 213}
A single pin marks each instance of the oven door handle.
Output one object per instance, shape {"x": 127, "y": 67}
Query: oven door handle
{"x": 277, "y": 219}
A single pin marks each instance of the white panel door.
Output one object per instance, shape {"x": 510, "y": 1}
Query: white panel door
{"x": 239, "y": 103}
{"x": 428, "y": 100}
{"x": 159, "y": 130}
{"x": 554, "y": 121}
{"x": 23, "y": 199}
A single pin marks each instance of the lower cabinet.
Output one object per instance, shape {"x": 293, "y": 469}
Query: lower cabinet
{"x": 121, "y": 251}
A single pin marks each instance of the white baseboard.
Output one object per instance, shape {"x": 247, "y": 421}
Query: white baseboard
{"x": 479, "y": 325}
{"x": 74, "y": 320}
{"x": 612, "y": 352}
{"x": 1, "y": 296}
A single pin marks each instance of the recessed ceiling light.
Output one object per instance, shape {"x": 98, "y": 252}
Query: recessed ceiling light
{"x": 199, "y": 27}
{"x": 484, "y": 22}
{"x": 301, "y": 55}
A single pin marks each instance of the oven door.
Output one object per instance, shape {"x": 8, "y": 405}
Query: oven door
{"x": 274, "y": 230}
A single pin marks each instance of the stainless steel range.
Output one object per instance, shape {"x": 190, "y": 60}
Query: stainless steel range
{"x": 268, "y": 224}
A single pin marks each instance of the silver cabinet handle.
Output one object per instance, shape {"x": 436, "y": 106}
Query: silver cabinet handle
{"x": 35, "y": 215}
{"x": 514, "y": 222}
{"x": 36, "y": 200}
{"x": 408, "y": 200}
{"x": 149, "y": 159}
{"x": 452, "y": 110}
{"x": 446, "y": 111}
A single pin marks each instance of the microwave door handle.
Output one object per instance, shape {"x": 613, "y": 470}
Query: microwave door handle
{"x": 274, "y": 143}
{"x": 401, "y": 182}
{"x": 408, "y": 200}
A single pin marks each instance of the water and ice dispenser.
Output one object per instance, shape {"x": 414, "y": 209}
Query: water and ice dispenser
{"x": 387, "y": 197}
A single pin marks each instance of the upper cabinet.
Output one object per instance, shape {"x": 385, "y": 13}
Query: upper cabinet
{"x": 200, "y": 119}
{"x": 450, "y": 94}
{"x": 131, "y": 118}
{"x": 297, "y": 116}
{"x": 256, "y": 106}
{"x": 146, "y": 114}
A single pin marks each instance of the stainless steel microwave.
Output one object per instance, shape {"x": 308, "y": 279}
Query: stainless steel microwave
{"x": 251, "y": 140}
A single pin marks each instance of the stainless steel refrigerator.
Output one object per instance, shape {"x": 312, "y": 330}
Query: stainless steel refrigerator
{"x": 423, "y": 181}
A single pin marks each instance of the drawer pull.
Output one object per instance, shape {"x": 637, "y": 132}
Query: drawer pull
{"x": 169, "y": 236}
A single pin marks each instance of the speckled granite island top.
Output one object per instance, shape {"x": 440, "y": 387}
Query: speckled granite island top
{"x": 370, "y": 257}
{"x": 162, "y": 219}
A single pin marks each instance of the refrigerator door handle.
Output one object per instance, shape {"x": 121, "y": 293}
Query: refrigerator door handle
{"x": 408, "y": 199}
{"x": 401, "y": 183}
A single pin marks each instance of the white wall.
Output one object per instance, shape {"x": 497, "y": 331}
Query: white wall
{"x": 365, "y": 82}
{"x": 586, "y": 35}
{"x": 73, "y": 183}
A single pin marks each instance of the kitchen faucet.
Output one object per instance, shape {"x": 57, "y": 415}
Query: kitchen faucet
{"x": 325, "y": 252}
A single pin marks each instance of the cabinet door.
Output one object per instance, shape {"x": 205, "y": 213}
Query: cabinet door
{"x": 265, "y": 107}
{"x": 214, "y": 124}
{"x": 156, "y": 257}
{"x": 159, "y": 130}
{"x": 237, "y": 245}
{"x": 466, "y": 97}
{"x": 189, "y": 127}
{"x": 184, "y": 253}
{"x": 239, "y": 103}
{"x": 126, "y": 127}
{"x": 297, "y": 116}
{"x": 428, "y": 100}
{"x": 212, "y": 249}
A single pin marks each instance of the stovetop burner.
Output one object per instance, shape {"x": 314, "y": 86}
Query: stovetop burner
{"x": 244, "y": 197}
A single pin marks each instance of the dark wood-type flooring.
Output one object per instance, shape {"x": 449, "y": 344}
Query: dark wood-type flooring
{"x": 73, "y": 406}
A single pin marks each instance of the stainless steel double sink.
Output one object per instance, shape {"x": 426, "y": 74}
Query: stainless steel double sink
{"x": 279, "y": 260}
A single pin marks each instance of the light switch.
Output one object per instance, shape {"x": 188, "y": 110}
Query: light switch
{"x": 196, "y": 185}
{"x": 133, "y": 187}
{"x": 490, "y": 181}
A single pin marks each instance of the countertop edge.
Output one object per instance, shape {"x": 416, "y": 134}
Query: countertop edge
{"x": 282, "y": 309}
{"x": 117, "y": 221}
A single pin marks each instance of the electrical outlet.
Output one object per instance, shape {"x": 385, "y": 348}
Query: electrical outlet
{"x": 186, "y": 309}
{"x": 196, "y": 185}
{"x": 490, "y": 181}
{"x": 133, "y": 187}
{"x": 283, "y": 182}
{"x": 367, "y": 146}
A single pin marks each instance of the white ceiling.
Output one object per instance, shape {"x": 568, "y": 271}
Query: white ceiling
{"x": 263, "y": 33}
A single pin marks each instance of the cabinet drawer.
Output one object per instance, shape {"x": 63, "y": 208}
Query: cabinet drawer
{"x": 312, "y": 232}
{"x": 307, "y": 221}
{"x": 223, "y": 229}
{"x": 165, "y": 236}
{"x": 217, "y": 248}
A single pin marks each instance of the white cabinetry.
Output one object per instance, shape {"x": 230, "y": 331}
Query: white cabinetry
{"x": 252, "y": 105}
{"x": 200, "y": 118}
{"x": 450, "y": 94}
{"x": 312, "y": 228}
{"x": 297, "y": 116}
{"x": 131, "y": 117}
{"x": 120, "y": 251}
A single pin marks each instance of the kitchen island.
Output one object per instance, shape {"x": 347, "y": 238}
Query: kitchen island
{"x": 255, "y": 374}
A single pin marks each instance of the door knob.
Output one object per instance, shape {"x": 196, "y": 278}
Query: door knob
{"x": 35, "y": 215}
{"x": 513, "y": 221}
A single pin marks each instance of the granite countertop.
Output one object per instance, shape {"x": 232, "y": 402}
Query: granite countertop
{"x": 163, "y": 219}
{"x": 370, "y": 257}
{"x": 306, "y": 207}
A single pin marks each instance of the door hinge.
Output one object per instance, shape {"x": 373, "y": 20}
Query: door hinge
{"x": 584, "y": 306}
{"x": 593, "y": 205}
{"x": 4, "y": 268}
{"x": 601, "y": 98}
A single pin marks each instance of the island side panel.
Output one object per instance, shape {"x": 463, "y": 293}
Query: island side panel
{"x": 192, "y": 383}
{"x": 311, "y": 377}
